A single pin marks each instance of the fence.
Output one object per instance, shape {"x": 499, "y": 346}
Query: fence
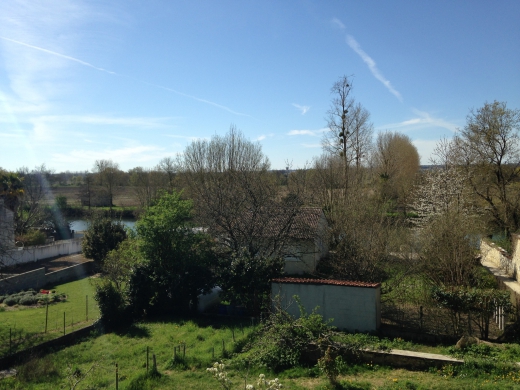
{"x": 430, "y": 323}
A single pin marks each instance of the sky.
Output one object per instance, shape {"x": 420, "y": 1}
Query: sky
{"x": 136, "y": 81}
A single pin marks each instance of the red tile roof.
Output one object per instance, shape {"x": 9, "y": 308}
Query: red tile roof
{"x": 348, "y": 283}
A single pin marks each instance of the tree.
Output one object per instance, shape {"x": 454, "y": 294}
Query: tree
{"x": 350, "y": 130}
{"x": 147, "y": 185}
{"x": 102, "y": 236}
{"x": 489, "y": 151}
{"x": 108, "y": 175}
{"x": 36, "y": 191}
{"x": 396, "y": 163}
{"x": 178, "y": 263}
{"x": 235, "y": 194}
{"x": 168, "y": 166}
{"x": 448, "y": 222}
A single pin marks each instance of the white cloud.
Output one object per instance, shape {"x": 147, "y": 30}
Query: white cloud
{"x": 303, "y": 109}
{"x": 372, "y": 66}
{"x": 313, "y": 133}
{"x": 126, "y": 156}
{"x": 424, "y": 120}
{"x": 260, "y": 138}
{"x": 312, "y": 145}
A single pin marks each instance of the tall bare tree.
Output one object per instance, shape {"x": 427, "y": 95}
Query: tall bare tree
{"x": 169, "y": 167}
{"x": 350, "y": 129}
{"x": 108, "y": 175}
{"x": 236, "y": 196}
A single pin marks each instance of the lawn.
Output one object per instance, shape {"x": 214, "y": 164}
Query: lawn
{"x": 203, "y": 338}
{"x": 27, "y": 324}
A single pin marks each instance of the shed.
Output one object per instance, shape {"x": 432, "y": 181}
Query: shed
{"x": 352, "y": 306}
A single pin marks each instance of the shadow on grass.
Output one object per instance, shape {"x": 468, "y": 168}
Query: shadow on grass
{"x": 138, "y": 331}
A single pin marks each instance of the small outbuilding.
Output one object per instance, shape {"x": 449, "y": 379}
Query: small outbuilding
{"x": 353, "y": 306}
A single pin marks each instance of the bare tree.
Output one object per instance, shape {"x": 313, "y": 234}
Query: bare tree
{"x": 108, "y": 175}
{"x": 236, "y": 196}
{"x": 350, "y": 129}
{"x": 489, "y": 151}
{"x": 169, "y": 167}
{"x": 147, "y": 184}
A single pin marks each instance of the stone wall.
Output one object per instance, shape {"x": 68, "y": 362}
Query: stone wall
{"x": 508, "y": 263}
{"x": 40, "y": 252}
{"x": 37, "y": 278}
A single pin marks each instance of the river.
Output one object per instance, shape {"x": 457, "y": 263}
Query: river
{"x": 79, "y": 225}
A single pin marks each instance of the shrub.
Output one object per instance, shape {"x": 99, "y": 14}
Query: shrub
{"x": 11, "y": 301}
{"x": 112, "y": 305}
{"x": 28, "y": 300}
{"x": 33, "y": 237}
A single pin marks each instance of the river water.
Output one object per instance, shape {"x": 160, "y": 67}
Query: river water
{"x": 79, "y": 225}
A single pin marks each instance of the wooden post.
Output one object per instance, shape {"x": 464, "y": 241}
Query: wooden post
{"x": 10, "y": 340}
{"x": 117, "y": 377}
{"x": 174, "y": 354}
{"x": 46, "y": 315}
{"x": 154, "y": 363}
{"x": 86, "y": 306}
{"x": 183, "y": 350}
{"x": 421, "y": 317}
{"x": 233, "y": 333}
{"x": 147, "y": 354}
{"x": 223, "y": 347}
{"x": 64, "y": 323}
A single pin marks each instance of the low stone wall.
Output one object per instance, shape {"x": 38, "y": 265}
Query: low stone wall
{"x": 37, "y": 278}
{"x": 35, "y": 253}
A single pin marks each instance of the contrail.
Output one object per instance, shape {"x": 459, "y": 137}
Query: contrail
{"x": 120, "y": 75}
{"x": 57, "y": 54}
{"x": 372, "y": 66}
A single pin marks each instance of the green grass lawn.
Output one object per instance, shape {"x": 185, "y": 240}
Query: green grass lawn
{"x": 203, "y": 339}
{"x": 27, "y": 324}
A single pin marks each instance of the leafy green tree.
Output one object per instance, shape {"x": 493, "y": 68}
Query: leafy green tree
{"x": 102, "y": 236}
{"x": 246, "y": 280}
{"x": 178, "y": 262}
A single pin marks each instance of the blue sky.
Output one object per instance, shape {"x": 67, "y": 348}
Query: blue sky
{"x": 136, "y": 81}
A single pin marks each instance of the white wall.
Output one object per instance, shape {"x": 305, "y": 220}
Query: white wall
{"x": 352, "y": 308}
{"x": 35, "y": 253}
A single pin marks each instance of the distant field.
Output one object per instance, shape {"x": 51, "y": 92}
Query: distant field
{"x": 124, "y": 197}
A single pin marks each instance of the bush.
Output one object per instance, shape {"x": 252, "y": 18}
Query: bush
{"x": 102, "y": 236}
{"x": 28, "y": 300}
{"x": 112, "y": 305}
{"x": 33, "y": 237}
{"x": 12, "y": 300}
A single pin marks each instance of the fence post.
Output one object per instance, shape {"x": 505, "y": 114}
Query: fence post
{"x": 421, "y": 317}
{"x": 86, "y": 306}
{"x": 183, "y": 350}
{"x": 10, "y": 340}
{"x": 46, "y": 315}
{"x": 117, "y": 377}
{"x": 64, "y": 323}
{"x": 147, "y": 354}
